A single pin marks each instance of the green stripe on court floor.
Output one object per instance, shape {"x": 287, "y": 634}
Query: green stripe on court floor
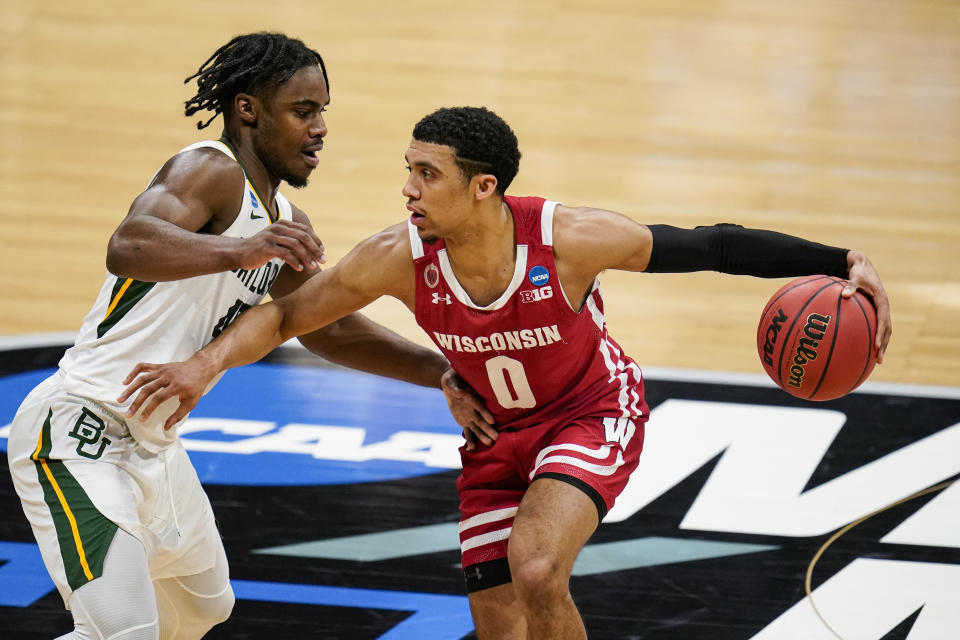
{"x": 370, "y": 547}
{"x": 654, "y": 551}
{"x": 594, "y": 558}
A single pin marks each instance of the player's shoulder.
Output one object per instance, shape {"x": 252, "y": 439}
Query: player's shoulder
{"x": 570, "y": 223}
{"x": 587, "y": 222}
{"x": 392, "y": 241}
{"x": 200, "y": 167}
{"x": 205, "y": 179}
{"x": 380, "y": 264}
{"x": 582, "y": 233}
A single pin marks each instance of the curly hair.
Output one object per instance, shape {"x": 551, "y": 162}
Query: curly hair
{"x": 483, "y": 142}
{"x": 254, "y": 63}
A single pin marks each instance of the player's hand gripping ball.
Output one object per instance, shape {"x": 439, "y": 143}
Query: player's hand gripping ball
{"x": 814, "y": 343}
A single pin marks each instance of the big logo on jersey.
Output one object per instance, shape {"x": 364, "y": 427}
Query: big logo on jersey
{"x": 278, "y": 424}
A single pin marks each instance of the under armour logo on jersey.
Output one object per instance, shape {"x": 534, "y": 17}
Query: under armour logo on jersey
{"x": 437, "y": 298}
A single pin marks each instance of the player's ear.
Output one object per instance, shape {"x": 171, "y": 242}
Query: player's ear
{"x": 246, "y": 107}
{"x": 485, "y": 185}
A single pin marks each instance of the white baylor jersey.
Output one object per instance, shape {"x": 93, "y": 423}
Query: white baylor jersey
{"x": 160, "y": 322}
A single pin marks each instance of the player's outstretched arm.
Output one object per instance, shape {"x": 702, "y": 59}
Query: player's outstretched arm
{"x": 172, "y": 229}
{"x": 356, "y": 281}
{"x": 359, "y": 343}
{"x": 588, "y": 241}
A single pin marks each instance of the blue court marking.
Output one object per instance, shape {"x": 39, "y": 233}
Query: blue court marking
{"x": 24, "y": 580}
{"x": 376, "y": 408}
{"x": 435, "y": 617}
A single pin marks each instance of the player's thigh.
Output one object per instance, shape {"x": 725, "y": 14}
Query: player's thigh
{"x": 191, "y": 605}
{"x": 121, "y": 602}
{"x": 490, "y": 490}
{"x": 593, "y": 454}
{"x": 554, "y": 521}
{"x": 183, "y": 508}
{"x": 62, "y": 460}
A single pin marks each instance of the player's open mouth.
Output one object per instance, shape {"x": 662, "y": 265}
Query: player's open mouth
{"x": 310, "y": 154}
{"x": 415, "y": 216}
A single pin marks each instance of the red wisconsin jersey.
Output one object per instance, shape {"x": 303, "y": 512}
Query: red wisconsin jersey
{"x": 528, "y": 353}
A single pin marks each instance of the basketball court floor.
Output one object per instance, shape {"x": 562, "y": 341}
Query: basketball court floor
{"x": 753, "y": 516}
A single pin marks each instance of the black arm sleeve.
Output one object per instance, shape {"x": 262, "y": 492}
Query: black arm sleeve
{"x": 730, "y": 248}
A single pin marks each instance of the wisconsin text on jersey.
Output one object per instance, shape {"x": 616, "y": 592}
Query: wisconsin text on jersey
{"x": 505, "y": 341}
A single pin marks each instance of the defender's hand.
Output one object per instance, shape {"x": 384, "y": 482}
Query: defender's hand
{"x": 468, "y": 410}
{"x": 293, "y": 242}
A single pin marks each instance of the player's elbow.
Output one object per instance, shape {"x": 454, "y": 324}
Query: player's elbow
{"x": 324, "y": 342}
{"x": 119, "y": 255}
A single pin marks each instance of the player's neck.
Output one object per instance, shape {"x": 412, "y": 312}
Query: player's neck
{"x": 265, "y": 185}
{"x": 483, "y": 255}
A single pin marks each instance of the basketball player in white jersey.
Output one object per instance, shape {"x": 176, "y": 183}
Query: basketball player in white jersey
{"x": 123, "y": 525}
{"x": 507, "y": 288}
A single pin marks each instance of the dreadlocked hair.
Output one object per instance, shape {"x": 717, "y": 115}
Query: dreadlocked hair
{"x": 254, "y": 63}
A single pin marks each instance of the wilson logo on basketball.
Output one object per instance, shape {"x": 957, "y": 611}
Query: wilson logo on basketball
{"x": 813, "y": 331}
{"x": 773, "y": 330}
{"x": 813, "y": 342}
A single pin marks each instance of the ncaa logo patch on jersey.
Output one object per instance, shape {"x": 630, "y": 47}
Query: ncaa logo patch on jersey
{"x": 253, "y": 200}
{"x": 538, "y": 276}
{"x": 431, "y": 275}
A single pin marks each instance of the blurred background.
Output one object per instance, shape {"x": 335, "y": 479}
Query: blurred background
{"x": 836, "y": 120}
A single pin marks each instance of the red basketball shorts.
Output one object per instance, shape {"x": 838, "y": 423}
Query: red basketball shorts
{"x": 596, "y": 455}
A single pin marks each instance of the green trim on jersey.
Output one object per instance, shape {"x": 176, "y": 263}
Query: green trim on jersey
{"x": 84, "y": 534}
{"x": 246, "y": 176}
{"x": 127, "y": 292}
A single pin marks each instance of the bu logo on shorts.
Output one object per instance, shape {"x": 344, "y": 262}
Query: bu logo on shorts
{"x": 88, "y": 429}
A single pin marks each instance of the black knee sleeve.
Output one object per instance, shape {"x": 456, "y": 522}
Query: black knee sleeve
{"x": 485, "y": 575}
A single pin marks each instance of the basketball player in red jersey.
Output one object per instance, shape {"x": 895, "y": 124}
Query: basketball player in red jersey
{"x": 507, "y": 289}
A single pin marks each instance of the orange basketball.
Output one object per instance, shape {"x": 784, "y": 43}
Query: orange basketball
{"x": 814, "y": 343}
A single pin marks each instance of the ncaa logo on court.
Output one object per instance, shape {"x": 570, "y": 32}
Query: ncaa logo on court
{"x": 538, "y": 276}
{"x": 308, "y": 426}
